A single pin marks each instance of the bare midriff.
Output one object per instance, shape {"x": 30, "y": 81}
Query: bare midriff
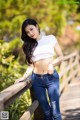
{"x": 41, "y": 66}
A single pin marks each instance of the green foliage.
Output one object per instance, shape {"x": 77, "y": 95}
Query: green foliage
{"x": 16, "y": 43}
{"x": 10, "y": 70}
{"x": 19, "y": 106}
{"x": 78, "y": 44}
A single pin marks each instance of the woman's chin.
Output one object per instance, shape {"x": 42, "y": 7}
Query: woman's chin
{"x": 34, "y": 38}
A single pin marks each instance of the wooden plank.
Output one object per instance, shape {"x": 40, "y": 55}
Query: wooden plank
{"x": 10, "y": 91}
{"x": 71, "y": 118}
{"x": 8, "y": 95}
{"x": 70, "y": 96}
{"x": 67, "y": 69}
{"x": 62, "y": 86}
{"x": 73, "y": 92}
{"x": 71, "y": 55}
{"x": 31, "y": 109}
{"x": 70, "y": 102}
{"x": 71, "y": 114}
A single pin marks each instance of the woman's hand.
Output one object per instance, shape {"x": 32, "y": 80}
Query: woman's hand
{"x": 50, "y": 68}
{"x": 20, "y": 80}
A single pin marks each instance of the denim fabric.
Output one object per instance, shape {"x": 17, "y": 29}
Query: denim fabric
{"x": 49, "y": 82}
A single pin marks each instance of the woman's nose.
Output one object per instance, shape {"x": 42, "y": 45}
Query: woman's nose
{"x": 31, "y": 33}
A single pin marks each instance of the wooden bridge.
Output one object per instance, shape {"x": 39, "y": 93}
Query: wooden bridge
{"x": 69, "y": 73}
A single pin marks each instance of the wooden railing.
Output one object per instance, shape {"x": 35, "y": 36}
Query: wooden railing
{"x": 68, "y": 69}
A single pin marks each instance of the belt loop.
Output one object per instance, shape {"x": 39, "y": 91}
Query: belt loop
{"x": 42, "y": 76}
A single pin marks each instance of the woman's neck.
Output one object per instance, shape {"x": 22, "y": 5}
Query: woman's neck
{"x": 39, "y": 37}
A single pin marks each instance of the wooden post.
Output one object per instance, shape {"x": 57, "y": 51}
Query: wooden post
{"x": 38, "y": 114}
{"x": 65, "y": 77}
{"x": 28, "y": 113}
{"x": 1, "y": 106}
{"x": 78, "y": 59}
{"x": 71, "y": 61}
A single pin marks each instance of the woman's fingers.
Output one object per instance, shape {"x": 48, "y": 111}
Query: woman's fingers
{"x": 50, "y": 69}
{"x": 19, "y": 80}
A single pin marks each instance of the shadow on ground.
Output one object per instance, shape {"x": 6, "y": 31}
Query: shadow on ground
{"x": 71, "y": 114}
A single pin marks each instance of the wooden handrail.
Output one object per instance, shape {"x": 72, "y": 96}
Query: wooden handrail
{"x": 72, "y": 62}
{"x": 9, "y": 95}
{"x": 30, "y": 111}
{"x": 71, "y": 55}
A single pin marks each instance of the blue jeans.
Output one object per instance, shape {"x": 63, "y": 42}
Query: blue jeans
{"x": 49, "y": 82}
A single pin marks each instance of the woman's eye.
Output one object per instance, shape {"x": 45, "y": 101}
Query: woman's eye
{"x": 31, "y": 29}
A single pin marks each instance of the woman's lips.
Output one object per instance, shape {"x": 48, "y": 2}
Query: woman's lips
{"x": 32, "y": 36}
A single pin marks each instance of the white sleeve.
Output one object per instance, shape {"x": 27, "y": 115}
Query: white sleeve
{"x": 53, "y": 40}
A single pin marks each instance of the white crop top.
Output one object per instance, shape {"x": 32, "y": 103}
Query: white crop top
{"x": 45, "y": 48}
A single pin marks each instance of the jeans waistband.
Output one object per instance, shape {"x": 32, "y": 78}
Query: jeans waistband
{"x": 40, "y": 75}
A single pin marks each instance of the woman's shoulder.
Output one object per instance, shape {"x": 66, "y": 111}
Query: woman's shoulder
{"x": 51, "y": 35}
{"x": 52, "y": 38}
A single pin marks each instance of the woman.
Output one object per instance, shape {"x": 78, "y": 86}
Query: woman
{"x": 39, "y": 51}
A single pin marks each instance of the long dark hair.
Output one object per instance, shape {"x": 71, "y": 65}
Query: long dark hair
{"x": 29, "y": 44}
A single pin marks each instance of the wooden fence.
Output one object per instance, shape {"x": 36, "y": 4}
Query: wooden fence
{"x": 68, "y": 69}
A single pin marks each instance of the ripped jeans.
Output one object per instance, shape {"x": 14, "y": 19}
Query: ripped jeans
{"x": 49, "y": 82}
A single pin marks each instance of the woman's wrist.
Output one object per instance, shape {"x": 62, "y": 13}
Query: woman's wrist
{"x": 51, "y": 63}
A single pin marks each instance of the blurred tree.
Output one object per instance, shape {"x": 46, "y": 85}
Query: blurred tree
{"x": 13, "y": 13}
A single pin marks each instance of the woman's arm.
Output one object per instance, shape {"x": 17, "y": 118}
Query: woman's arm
{"x": 26, "y": 74}
{"x": 59, "y": 53}
{"x": 28, "y": 71}
{"x": 57, "y": 61}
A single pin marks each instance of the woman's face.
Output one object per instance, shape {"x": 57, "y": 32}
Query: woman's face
{"x": 32, "y": 31}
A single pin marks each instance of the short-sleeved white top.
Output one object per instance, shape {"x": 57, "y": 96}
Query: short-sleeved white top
{"x": 45, "y": 48}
